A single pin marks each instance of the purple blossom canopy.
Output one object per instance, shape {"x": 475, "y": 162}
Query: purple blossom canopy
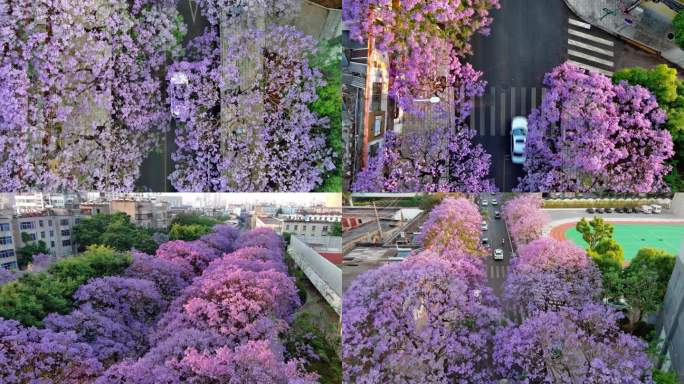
{"x": 582, "y": 345}
{"x": 81, "y": 91}
{"x": 251, "y": 131}
{"x": 30, "y": 355}
{"x": 453, "y": 225}
{"x": 549, "y": 273}
{"x": 191, "y": 256}
{"x": 592, "y": 135}
{"x": 524, "y": 218}
{"x": 418, "y": 321}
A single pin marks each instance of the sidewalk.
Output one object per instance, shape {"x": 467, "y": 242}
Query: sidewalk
{"x": 647, "y": 26}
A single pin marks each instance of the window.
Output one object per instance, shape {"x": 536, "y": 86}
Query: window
{"x": 77, "y": 220}
{"x": 31, "y": 236}
{"x": 7, "y": 253}
{"x": 66, "y": 243}
{"x": 12, "y": 265}
{"x": 376, "y": 102}
{"x": 303, "y": 227}
{"x": 325, "y": 228}
{"x": 42, "y": 234}
{"x": 64, "y": 222}
{"x": 40, "y": 223}
{"x": 49, "y": 223}
{"x": 66, "y": 232}
{"x": 6, "y": 240}
{"x": 287, "y": 227}
{"x": 26, "y": 225}
{"x": 52, "y": 244}
{"x": 295, "y": 227}
{"x": 4, "y": 227}
{"x": 52, "y": 233}
{"x": 377, "y": 126}
{"x": 373, "y": 149}
{"x": 313, "y": 228}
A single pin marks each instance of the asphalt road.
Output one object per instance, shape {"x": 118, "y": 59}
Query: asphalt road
{"x": 529, "y": 38}
{"x": 158, "y": 165}
{"x": 496, "y": 269}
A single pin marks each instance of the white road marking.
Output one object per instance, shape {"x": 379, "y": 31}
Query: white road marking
{"x": 590, "y": 47}
{"x": 593, "y": 38}
{"x": 578, "y": 23}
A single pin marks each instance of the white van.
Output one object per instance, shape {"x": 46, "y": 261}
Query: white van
{"x": 646, "y": 209}
{"x": 657, "y": 208}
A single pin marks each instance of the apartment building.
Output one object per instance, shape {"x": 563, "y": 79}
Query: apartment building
{"x": 38, "y": 202}
{"x": 54, "y": 227}
{"x": 144, "y": 213}
{"x": 8, "y": 257}
{"x": 671, "y": 322}
{"x": 269, "y": 222}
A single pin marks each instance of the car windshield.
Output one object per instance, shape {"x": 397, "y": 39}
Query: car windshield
{"x": 519, "y": 132}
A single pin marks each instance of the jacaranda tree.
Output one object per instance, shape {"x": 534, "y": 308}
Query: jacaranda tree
{"x": 242, "y": 105}
{"x": 418, "y": 321}
{"x": 81, "y": 84}
{"x": 454, "y": 224}
{"x": 550, "y": 273}
{"x": 574, "y": 345}
{"x": 592, "y": 135}
{"x": 524, "y": 218}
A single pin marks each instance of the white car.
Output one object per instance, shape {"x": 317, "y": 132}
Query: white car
{"x": 484, "y": 226}
{"x": 484, "y": 203}
{"x": 518, "y": 139}
{"x": 498, "y": 254}
{"x": 494, "y": 202}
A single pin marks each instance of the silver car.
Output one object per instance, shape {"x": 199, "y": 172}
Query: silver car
{"x": 518, "y": 139}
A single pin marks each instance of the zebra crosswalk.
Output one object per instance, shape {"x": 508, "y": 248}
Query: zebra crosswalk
{"x": 497, "y": 271}
{"x": 588, "y": 50}
{"x": 492, "y": 113}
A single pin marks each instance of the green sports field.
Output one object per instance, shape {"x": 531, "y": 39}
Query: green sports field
{"x": 632, "y": 237}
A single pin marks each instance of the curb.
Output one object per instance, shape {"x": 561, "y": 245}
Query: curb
{"x": 615, "y": 34}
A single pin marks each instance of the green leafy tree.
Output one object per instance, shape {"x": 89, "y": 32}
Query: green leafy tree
{"x": 641, "y": 291}
{"x": 188, "y": 232}
{"x": 335, "y": 229}
{"x": 114, "y": 230}
{"x": 657, "y": 260}
{"x": 34, "y": 295}
{"x": 193, "y": 218}
{"x": 668, "y": 88}
{"x": 594, "y": 231}
{"x": 662, "y": 377}
{"x": 305, "y": 334}
{"x": 608, "y": 248}
{"x": 329, "y": 104}
{"x": 31, "y": 247}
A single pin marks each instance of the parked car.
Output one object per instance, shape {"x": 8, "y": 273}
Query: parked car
{"x": 657, "y": 208}
{"x": 618, "y": 210}
{"x": 590, "y": 210}
{"x": 599, "y": 210}
{"x": 498, "y": 254}
{"x": 485, "y": 241}
{"x": 635, "y": 210}
{"x": 484, "y": 226}
{"x": 494, "y": 202}
{"x": 484, "y": 202}
{"x": 518, "y": 139}
{"x": 646, "y": 209}
{"x": 497, "y": 214}
{"x": 609, "y": 210}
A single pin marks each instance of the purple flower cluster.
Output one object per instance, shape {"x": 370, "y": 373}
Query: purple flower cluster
{"x": 426, "y": 40}
{"x": 80, "y": 101}
{"x": 592, "y": 135}
{"x": 221, "y": 328}
{"x": 430, "y": 318}
{"x": 550, "y": 273}
{"x": 443, "y": 159}
{"x": 524, "y": 218}
{"x": 224, "y": 327}
{"x": 242, "y": 107}
{"x": 454, "y": 224}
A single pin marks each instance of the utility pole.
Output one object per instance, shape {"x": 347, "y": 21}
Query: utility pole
{"x": 377, "y": 219}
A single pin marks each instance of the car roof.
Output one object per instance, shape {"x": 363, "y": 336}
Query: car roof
{"x": 519, "y": 122}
